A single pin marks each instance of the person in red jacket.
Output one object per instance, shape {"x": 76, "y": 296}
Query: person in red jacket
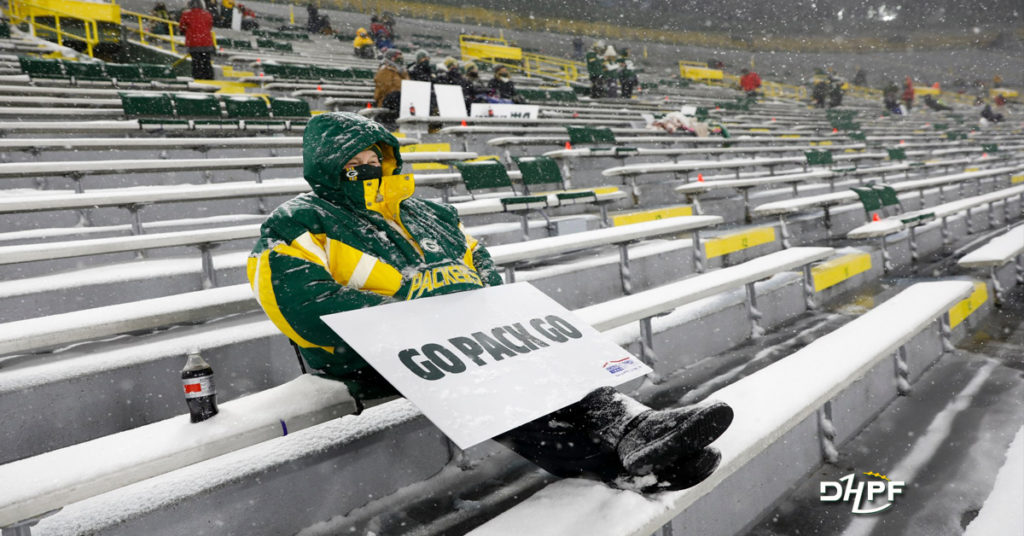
{"x": 750, "y": 82}
{"x": 908, "y": 93}
{"x": 197, "y": 23}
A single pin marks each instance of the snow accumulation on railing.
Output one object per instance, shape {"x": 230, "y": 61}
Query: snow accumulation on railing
{"x": 767, "y": 404}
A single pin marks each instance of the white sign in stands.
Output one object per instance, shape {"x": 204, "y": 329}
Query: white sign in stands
{"x": 514, "y": 111}
{"x": 415, "y": 99}
{"x": 483, "y": 362}
{"x": 449, "y": 101}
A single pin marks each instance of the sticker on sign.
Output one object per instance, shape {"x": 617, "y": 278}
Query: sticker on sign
{"x": 483, "y": 362}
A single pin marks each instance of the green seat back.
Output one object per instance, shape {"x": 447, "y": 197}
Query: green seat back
{"x": 990, "y": 147}
{"x": 887, "y": 195}
{"x": 365, "y": 74}
{"x": 136, "y": 105}
{"x": 897, "y": 154}
{"x": 818, "y": 158}
{"x": 85, "y": 70}
{"x": 245, "y": 107}
{"x": 196, "y": 106}
{"x": 41, "y": 67}
{"x": 940, "y": 126}
{"x": 5, "y": 30}
{"x": 869, "y": 198}
{"x": 589, "y": 135}
{"x": 151, "y": 71}
{"x": 281, "y": 47}
{"x": 857, "y": 136}
{"x": 275, "y": 69}
{"x": 329, "y": 73}
{"x": 484, "y": 175}
{"x": 538, "y": 170}
{"x": 286, "y": 108}
{"x": 128, "y": 72}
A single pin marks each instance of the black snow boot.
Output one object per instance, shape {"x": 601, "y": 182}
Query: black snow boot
{"x": 645, "y": 438}
{"x": 683, "y": 473}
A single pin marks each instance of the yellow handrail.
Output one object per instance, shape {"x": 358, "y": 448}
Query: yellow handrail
{"x": 19, "y": 12}
{"x": 170, "y": 37}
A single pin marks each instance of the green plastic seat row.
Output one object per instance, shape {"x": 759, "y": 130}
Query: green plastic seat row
{"x": 179, "y": 107}
{"x": 226, "y": 42}
{"x": 273, "y": 45}
{"x": 877, "y": 196}
{"x": 590, "y": 135}
{"x": 897, "y": 154}
{"x": 819, "y": 158}
{"x": 127, "y": 72}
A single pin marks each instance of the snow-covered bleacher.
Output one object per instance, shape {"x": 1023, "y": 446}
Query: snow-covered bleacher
{"x": 121, "y": 254}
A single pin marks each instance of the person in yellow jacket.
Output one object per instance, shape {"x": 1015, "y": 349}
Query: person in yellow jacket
{"x": 363, "y": 45}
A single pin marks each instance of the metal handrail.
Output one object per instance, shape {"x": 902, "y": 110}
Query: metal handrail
{"x": 17, "y": 16}
{"x": 170, "y": 37}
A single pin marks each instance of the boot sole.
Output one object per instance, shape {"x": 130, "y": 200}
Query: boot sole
{"x": 703, "y": 427}
{"x": 672, "y": 478}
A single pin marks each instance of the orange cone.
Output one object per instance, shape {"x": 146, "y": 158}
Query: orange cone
{"x": 319, "y": 87}
{"x": 984, "y": 155}
{"x": 369, "y": 105}
{"x": 463, "y": 122}
{"x": 568, "y": 146}
{"x": 835, "y": 130}
{"x": 700, "y": 177}
{"x": 874, "y": 217}
{"x": 903, "y": 142}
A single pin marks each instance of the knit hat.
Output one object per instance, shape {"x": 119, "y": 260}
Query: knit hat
{"x": 393, "y": 54}
{"x": 420, "y": 54}
{"x": 470, "y": 66}
{"x": 449, "y": 61}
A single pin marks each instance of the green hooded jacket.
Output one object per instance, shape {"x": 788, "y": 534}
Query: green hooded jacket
{"x": 356, "y": 243}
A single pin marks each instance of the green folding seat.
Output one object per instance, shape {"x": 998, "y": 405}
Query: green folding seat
{"x": 125, "y": 72}
{"x": 41, "y": 67}
{"x": 897, "y": 154}
{"x": 484, "y": 175}
{"x": 152, "y": 71}
{"x": 360, "y": 73}
{"x": 819, "y": 158}
{"x": 246, "y": 107}
{"x": 85, "y": 70}
{"x": 192, "y": 106}
{"x": 289, "y": 108}
{"x": 147, "y": 105}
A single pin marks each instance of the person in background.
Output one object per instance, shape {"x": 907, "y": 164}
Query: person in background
{"x": 891, "y": 98}
{"x": 908, "y": 94}
{"x": 160, "y": 12}
{"x": 819, "y": 93}
{"x": 750, "y": 82}
{"x": 611, "y": 72}
{"x": 197, "y": 23}
{"x": 360, "y": 239}
{"x": 835, "y": 92}
{"x": 935, "y": 104}
{"x": 577, "y": 48}
{"x": 452, "y": 75}
{"x": 380, "y": 33}
{"x": 421, "y": 69}
{"x": 595, "y": 70}
{"x": 388, "y": 80}
{"x": 628, "y": 79}
{"x": 861, "y": 77}
{"x": 503, "y": 87}
{"x": 317, "y": 23}
{"x": 362, "y": 45}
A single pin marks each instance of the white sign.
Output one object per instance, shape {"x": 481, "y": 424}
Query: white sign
{"x": 515, "y": 111}
{"x": 482, "y": 362}
{"x": 415, "y": 99}
{"x": 449, "y": 100}
{"x": 688, "y": 110}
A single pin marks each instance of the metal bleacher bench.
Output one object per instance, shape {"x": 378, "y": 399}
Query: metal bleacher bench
{"x": 909, "y": 221}
{"x": 825, "y": 202}
{"x": 113, "y": 466}
{"x": 771, "y": 406}
{"x": 999, "y": 251}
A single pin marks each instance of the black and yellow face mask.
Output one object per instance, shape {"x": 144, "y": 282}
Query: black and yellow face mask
{"x": 362, "y": 172}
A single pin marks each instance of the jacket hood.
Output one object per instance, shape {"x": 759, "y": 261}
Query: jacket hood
{"x": 331, "y": 140}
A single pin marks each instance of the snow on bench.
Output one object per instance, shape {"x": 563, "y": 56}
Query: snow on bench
{"x": 40, "y": 484}
{"x": 414, "y": 120}
{"x": 999, "y": 251}
{"x": 792, "y": 206}
{"x": 767, "y": 405}
{"x": 56, "y": 330}
{"x": 909, "y": 220}
{"x": 593, "y": 152}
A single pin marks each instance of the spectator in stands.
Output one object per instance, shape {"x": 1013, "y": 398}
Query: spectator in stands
{"x": 388, "y": 80}
{"x": 861, "y": 77}
{"x": 750, "y": 82}
{"x": 388, "y": 20}
{"x": 627, "y": 74}
{"x": 421, "y": 69}
{"x": 380, "y": 33}
{"x": 160, "y": 12}
{"x": 611, "y": 72}
{"x": 503, "y": 87}
{"x": 908, "y": 94}
{"x": 819, "y": 92}
{"x": 835, "y": 92}
{"x": 197, "y": 23}
{"x": 473, "y": 87}
{"x": 595, "y": 70}
{"x": 891, "y": 98}
{"x": 577, "y": 48}
{"x": 362, "y": 45}
{"x": 935, "y": 104}
{"x": 452, "y": 74}
{"x": 317, "y": 23}
{"x": 988, "y": 115}
{"x": 359, "y": 239}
